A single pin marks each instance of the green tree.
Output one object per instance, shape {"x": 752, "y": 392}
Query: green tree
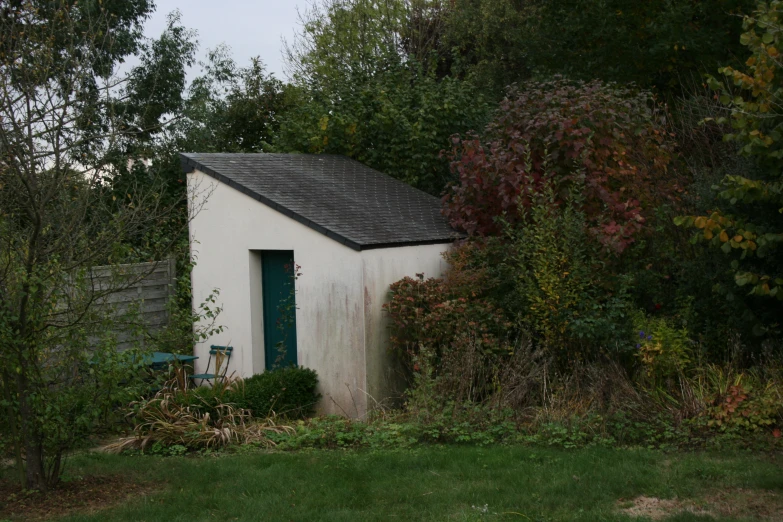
{"x": 396, "y": 121}
{"x": 492, "y": 39}
{"x": 747, "y": 223}
{"x": 657, "y": 43}
{"x": 230, "y": 108}
{"x": 344, "y": 37}
{"x": 65, "y": 120}
{"x": 359, "y": 90}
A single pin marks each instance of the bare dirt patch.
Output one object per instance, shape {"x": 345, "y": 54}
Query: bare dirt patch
{"x": 754, "y": 504}
{"x": 658, "y": 509}
{"x": 761, "y": 505}
{"x": 86, "y": 495}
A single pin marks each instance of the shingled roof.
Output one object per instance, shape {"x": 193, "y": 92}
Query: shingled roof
{"x": 334, "y": 195}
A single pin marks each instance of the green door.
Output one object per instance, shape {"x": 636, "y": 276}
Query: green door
{"x": 277, "y": 283}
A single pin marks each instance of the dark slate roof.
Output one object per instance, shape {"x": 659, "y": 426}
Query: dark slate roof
{"x": 334, "y": 195}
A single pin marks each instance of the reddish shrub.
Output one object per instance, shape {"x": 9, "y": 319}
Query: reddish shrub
{"x": 608, "y": 141}
{"x": 435, "y": 312}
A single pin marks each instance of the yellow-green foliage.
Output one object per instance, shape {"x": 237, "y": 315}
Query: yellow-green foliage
{"x": 663, "y": 348}
{"x": 552, "y": 275}
{"x": 562, "y": 293}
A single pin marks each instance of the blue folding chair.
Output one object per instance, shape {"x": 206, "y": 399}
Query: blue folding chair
{"x": 222, "y": 356}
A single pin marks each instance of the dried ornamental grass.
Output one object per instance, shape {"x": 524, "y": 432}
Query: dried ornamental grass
{"x": 167, "y": 420}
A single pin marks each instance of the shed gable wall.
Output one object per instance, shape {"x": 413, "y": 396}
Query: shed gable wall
{"x": 381, "y": 268}
{"x": 228, "y": 230}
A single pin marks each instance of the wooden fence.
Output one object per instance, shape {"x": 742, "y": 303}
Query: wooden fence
{"x": 146, "y": 291}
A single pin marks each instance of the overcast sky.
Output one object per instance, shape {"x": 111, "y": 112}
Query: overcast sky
{"x": 250, "y": 28}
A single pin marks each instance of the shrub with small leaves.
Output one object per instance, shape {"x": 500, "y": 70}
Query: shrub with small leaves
{"x": 289, "y": 392}
{"x": 435, "y": 312}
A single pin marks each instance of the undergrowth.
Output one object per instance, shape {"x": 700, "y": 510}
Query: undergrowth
{"x": 334, "y": 432}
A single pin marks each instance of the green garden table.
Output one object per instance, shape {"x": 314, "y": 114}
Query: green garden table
{"x": 159, "y": 360}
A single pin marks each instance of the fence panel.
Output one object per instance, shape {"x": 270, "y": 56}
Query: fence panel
{"x": 147, "y": 293}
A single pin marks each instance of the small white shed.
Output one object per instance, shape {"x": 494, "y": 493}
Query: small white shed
{"x": 351, "y": 229}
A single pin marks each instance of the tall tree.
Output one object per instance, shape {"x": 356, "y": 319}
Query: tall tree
{"x": 491, "y": 38}
{"x": 65, "y": 118}
{"x": 657, "y": 43}
{"x": 746, "y": 222}
{"x": 230, "y": 108}
{"x": 368, "y": 84}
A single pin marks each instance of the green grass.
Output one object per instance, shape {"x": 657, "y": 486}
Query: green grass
{"x": 428, "y": 483}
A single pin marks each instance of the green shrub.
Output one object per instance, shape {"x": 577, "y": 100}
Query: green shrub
{"x": 562, "y": 290}
{"x": 289, "y": 392}
{"x": 663, "y": 348}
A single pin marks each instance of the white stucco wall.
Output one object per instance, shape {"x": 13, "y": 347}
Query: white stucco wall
{"x": 382, "y": 267}
{"x": 340, "y": 324}
{"x": 225, "y": 231}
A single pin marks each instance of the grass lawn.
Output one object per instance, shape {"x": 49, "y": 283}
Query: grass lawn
{"x": 441, "y": 483}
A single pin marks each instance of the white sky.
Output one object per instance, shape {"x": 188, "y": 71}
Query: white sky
{"x": 250, "y": 28}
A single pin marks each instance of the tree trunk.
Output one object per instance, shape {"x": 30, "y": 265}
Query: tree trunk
{"x": 17, "y": 443}
{"x": 31, "y": 435}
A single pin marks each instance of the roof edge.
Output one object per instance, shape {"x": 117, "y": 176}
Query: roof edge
{"x": 189, "y": 165}
{"x": 411, "y": 243}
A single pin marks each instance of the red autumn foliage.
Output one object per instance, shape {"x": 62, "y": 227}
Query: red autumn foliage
{"x": 435, "y": 312}
{"x": 610, "y": 140}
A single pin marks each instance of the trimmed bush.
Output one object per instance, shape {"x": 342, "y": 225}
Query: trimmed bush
{"x": 289, "y": 392}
